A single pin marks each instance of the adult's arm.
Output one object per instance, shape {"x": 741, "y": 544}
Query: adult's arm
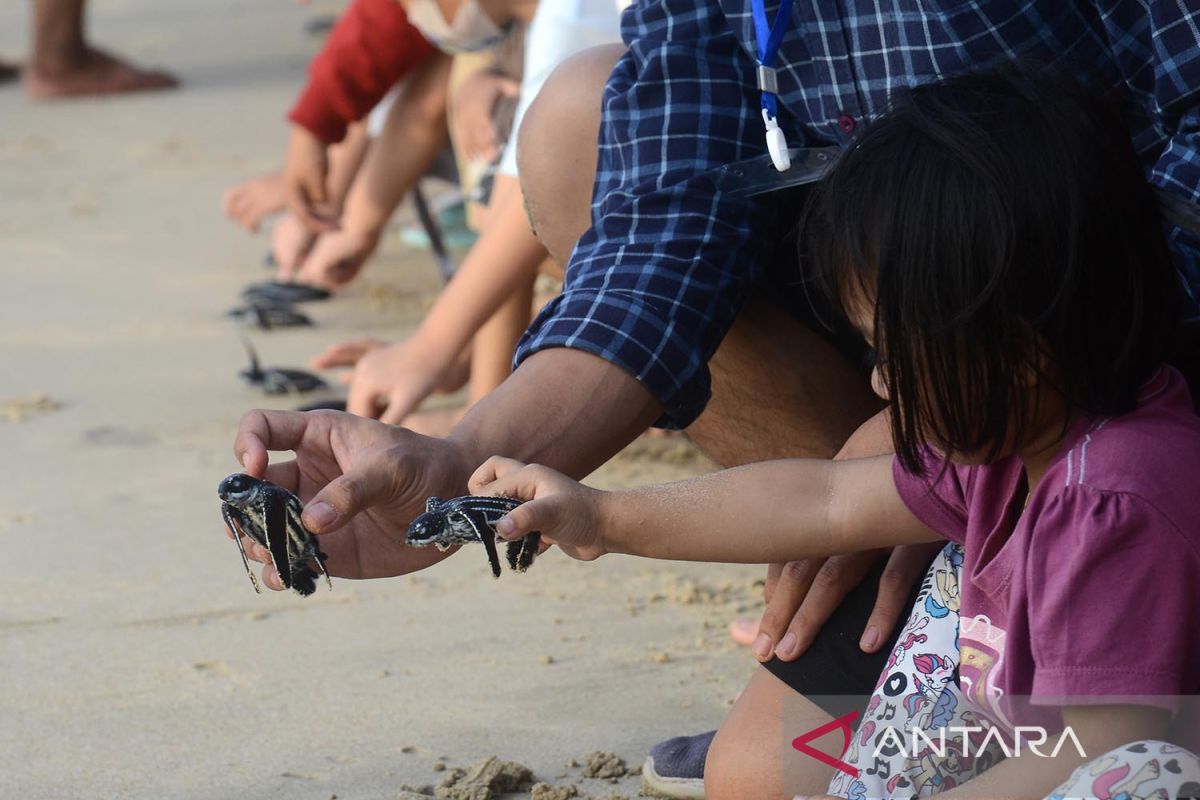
{"x": 371, "y": 47}
{"x": 564, "y": 408}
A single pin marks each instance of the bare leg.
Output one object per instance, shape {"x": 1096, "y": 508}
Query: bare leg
{"x": 492, "y": 351}
{"x": 63, "y": 64}
{"x": 779, "y": 390}
{"x": 747, "y": 757}
{"x": 556, "y": 150}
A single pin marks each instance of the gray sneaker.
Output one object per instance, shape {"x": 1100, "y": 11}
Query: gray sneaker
{"x": 675, "y": 768}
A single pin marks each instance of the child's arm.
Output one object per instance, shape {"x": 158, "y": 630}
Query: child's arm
{"x": 774, "y": 511}
{"x": 1097, "y": 729}
{"x": 504, "y": 259}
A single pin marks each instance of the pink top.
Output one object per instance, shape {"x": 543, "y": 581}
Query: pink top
{"x": 1093, "y": 590}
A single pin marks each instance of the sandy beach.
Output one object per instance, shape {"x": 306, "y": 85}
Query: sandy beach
{"x": 137, "y": 661}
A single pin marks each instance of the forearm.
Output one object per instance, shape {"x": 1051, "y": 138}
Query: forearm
{"x": 735, "y": 515}
{"x": 770, "y": 512}
{"x": 413, "y": 135}
{"x": 345, "y": 158}
{"x": 563, "y": 408}
{"x": 504, "y": 260}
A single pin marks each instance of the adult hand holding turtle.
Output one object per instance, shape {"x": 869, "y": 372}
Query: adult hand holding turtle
{"x": 351, "y": 474}
{"x": 362, "y": 481}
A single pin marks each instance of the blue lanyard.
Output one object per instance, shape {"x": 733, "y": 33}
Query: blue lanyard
{"x": 768, "y": 37}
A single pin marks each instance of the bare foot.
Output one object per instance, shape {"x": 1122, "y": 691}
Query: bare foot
{"x": 252, "y": 201}
{"x": 435, "y": 422}
{"x": 743, "y": 631}
{"x": 94, "y": 72}
{"x": 290, "y": 243}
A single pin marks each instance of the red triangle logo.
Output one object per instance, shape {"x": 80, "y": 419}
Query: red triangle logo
{"x": 846, "y": 724}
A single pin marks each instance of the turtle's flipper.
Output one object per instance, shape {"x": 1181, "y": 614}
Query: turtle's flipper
{"x": 488, "y": 537}
{"x": 236, "y": 529}
{"x": 530, "y": 545}
{"x": 512, "y": 552}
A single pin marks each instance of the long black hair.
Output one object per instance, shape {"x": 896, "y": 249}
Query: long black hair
{"x": 1003, "y": 227}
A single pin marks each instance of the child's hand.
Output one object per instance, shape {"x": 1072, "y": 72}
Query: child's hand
{"x": 390, "y": 383}
{"x": 337, "y": 258}
{"x": 305, "y": 173}
{"x": 566, "y": 512}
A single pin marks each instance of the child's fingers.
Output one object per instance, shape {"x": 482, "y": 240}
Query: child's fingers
{"x": 544, "y": 514}
{"x": 402, "y": 402}
{"x": 491, "y": 470}
{"x": 363, "y": 398}
{"x": 346, "y": 354}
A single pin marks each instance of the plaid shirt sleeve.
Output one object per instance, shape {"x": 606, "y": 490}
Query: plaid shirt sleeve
{"x": 656, "y": 282}
{"x": 1156, "y": 45}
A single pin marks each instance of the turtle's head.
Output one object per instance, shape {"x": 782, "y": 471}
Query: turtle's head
{"x": 238, "y": 489}
{"x": 425, "y": 530}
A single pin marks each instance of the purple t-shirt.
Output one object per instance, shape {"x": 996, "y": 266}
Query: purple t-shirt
{"x": 1093, "y": 591}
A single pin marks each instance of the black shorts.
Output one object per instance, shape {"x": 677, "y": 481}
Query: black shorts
{"x": 834, "y": 673}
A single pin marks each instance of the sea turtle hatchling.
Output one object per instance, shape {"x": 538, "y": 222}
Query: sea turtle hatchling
{"x": 472, "y": 519}
{"x": 270, "y": 515}
{"x": 277, "y": 380}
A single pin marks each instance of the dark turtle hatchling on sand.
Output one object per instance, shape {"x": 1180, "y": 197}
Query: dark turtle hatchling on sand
{"x": 270, "y": 515}
{"x": 472, "y": 519}
{"x": 277, "y": 380}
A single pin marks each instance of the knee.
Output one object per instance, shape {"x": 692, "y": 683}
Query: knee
{"x": 729, "y": 771}
{"x": 556, "y": 148}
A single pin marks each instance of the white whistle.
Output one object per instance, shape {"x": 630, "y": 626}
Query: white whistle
{"x": 777, "y": 144}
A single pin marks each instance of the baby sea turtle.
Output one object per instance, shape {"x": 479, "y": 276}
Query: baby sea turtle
{"x": 472, "y": 519}
{"x": 270, "y": 515}
{"x": 278, "y": 380}
{"x": 267, "y": 316}
{"x": 283, "y": 293}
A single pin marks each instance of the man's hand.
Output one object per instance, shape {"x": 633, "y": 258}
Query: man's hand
{"x": 564, "y": 511}
{"x": 391, "y": 382}
{"x": 304, "y": 181}
{"x": 361, "y": 481}
{"x": 802, "y": 595}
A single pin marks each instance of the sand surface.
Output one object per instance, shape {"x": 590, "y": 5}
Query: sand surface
{"x": 137, "y": 662}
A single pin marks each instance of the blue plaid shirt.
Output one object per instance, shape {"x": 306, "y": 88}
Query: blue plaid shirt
{"x": 669, "y": 261}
